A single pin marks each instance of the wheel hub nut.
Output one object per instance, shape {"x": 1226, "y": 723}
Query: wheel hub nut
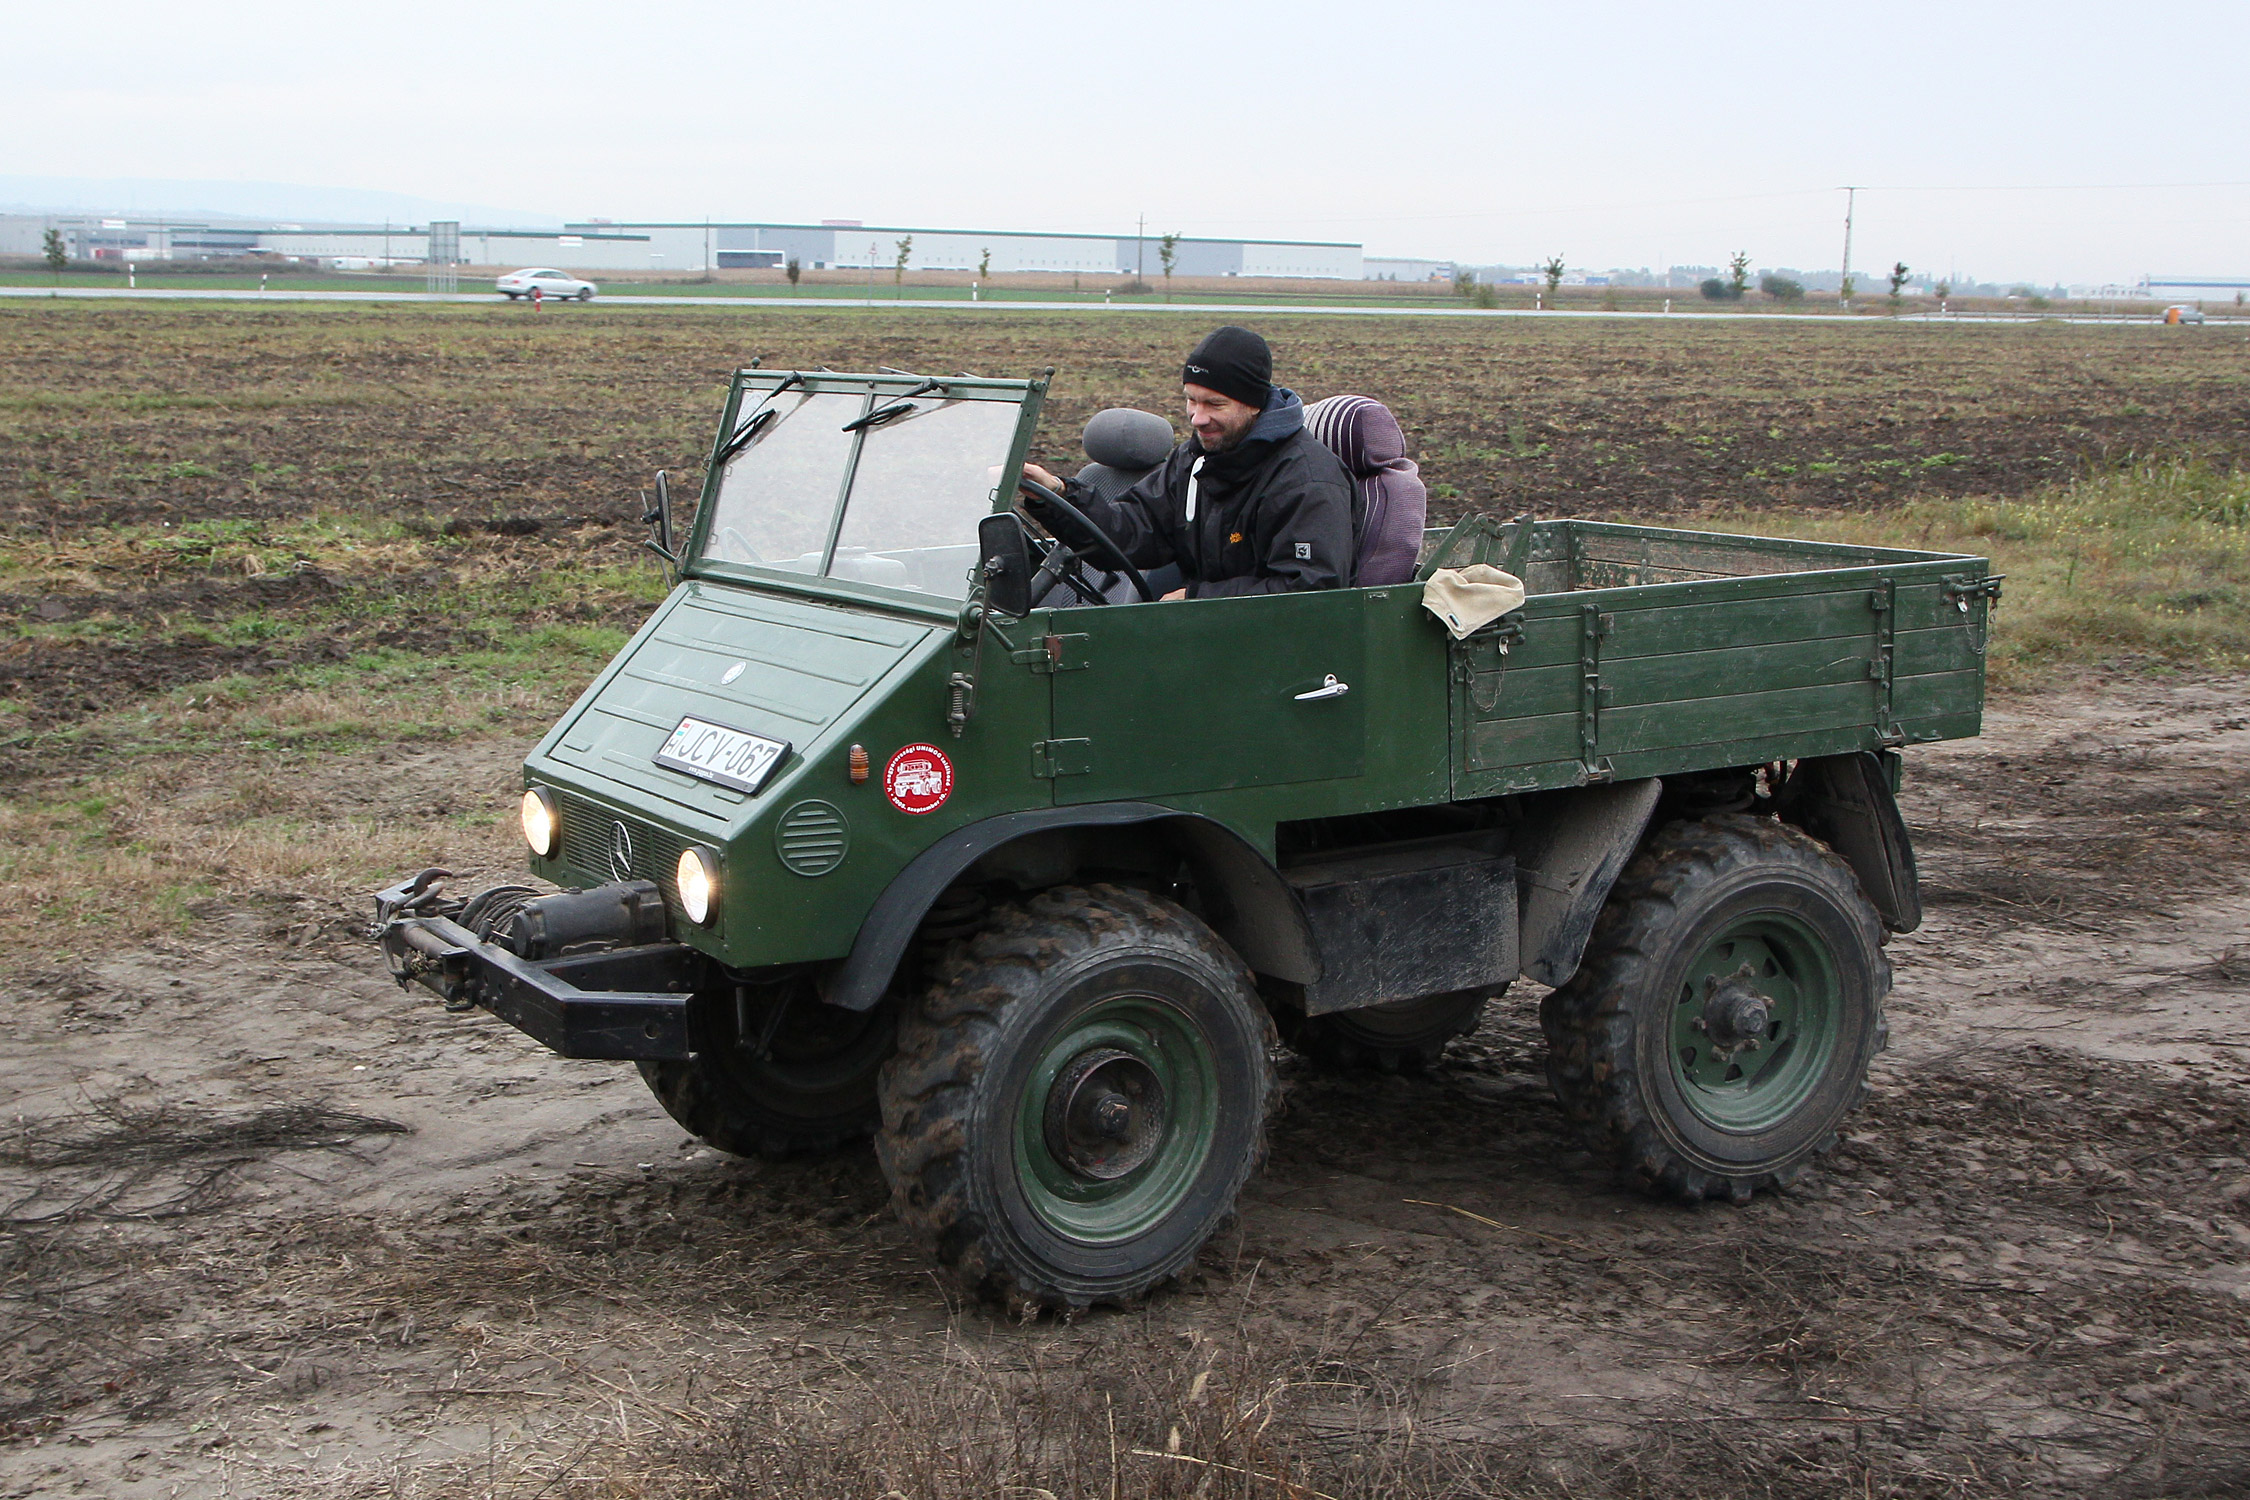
{"x": 1105, "y": 1114}
{"x": 1735, "y": 1015}
{"x": 1113, "y": 1116}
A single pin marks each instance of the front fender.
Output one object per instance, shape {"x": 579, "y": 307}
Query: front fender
{"x": 1251, "y": 906}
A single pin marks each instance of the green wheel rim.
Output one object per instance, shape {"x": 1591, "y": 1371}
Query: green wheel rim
{"x": 1734, "y": 1074}
{"x": 1158, "y": 1043}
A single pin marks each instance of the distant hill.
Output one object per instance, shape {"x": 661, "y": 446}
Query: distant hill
{"x": 205, "y": 199}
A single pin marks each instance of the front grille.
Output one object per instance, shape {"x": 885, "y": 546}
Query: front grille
{"x": 589, "y": 831}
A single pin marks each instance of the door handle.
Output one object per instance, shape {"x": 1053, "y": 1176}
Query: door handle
{"x": 1329, "y": 688}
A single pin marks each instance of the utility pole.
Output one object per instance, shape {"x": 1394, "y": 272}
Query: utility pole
{"x": 1140, "y": 233}
{"x": 1851, "y": 194}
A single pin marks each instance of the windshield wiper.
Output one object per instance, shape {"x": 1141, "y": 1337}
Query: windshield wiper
{"x": 748, "y": 432}
{"x": 892, "y": 411}
{"x": 759, "y": 419}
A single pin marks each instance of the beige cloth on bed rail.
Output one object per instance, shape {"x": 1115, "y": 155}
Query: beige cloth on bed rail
{"x": 1468, "y": 599}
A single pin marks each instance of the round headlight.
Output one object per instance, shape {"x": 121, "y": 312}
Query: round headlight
{"x": 699, "y": 883}
{"x": 542, "y": 825}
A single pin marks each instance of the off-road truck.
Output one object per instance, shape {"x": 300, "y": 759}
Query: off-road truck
{"x": 880, "y": 825}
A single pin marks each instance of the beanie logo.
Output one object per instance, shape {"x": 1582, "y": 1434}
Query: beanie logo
{"x": 1304, "y": 552}
{"x": 1197, "y": 370}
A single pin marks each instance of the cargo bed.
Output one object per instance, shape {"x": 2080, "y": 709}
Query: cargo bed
{"x": 1647, "y": 651}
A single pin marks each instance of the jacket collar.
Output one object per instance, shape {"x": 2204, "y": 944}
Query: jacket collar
{"x": 1283, "y": 418}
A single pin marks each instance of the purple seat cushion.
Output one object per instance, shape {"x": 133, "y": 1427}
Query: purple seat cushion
{"x": 1394, "y": 505}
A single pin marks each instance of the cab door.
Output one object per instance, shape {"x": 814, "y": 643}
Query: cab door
{"x": 1157, "y": 700}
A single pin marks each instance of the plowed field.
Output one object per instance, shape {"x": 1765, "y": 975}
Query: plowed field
{"x": 287, "y": 597}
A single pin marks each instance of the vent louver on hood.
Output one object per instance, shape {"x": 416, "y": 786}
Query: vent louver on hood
{"x": 812, "y": 838}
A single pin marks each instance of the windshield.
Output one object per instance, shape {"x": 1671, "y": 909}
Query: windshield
{"x": 923, "y": 477}
{"x": 777, "y": 497}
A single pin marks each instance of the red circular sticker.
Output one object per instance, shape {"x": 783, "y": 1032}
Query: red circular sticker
{"x": 918, "y": 779}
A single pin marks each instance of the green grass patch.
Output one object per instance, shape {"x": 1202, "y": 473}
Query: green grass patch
{"x": 2146, "y": 565}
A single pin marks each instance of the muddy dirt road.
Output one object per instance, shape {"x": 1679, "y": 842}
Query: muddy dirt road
{"x": 276, "y": 1228}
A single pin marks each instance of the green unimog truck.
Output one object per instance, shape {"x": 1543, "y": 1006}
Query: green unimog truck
{"x": 881, "y": 826}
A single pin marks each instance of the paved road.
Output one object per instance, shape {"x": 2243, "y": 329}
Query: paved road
{"x": 632, "y": 303}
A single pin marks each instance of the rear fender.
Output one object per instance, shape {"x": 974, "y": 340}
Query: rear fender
{"x": 1246, "y": 901}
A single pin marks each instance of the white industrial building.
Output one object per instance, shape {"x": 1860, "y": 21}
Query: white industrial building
{"x": 600, "y": 245}
{"x": 2184, "y": 288}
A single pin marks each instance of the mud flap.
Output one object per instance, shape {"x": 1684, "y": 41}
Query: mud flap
{"x": 1573, "y": 846}
{"x": 1845, "y": 801}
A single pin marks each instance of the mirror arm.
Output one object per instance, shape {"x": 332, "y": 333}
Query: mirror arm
{"x": 659, "y": 515}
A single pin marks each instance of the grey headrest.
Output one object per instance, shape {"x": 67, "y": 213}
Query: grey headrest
{"x": 1127, "y": 439}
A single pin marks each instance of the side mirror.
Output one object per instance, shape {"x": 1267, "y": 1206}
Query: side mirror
{"x": 659, "y": 516}
{"x": 1004, "y": 564}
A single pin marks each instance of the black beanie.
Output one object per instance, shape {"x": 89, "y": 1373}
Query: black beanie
{"x": 1234, "y": 362}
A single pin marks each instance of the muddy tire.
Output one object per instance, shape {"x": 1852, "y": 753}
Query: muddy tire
{"x": 1730, "y": 1003}
{"x": 811, "y": 1089}
{"x": 1402, "y": 1034}
{"x": 1077, "y": 1100}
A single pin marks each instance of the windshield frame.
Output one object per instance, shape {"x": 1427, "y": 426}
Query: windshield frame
{"x": 751, "y": 386}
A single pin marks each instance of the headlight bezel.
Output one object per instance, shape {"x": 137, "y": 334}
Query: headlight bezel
{"x": 540, "y": 803}
{"x": 696, "y": 878}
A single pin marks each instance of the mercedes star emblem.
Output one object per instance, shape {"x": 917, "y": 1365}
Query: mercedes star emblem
{"x": 620, "y": 851}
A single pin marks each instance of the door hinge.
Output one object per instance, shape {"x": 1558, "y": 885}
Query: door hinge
{"x": 1053, "y": 653}
{"x": 1052, "y": 758}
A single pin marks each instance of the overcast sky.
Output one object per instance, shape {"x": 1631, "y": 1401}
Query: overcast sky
{"x": 2064, "y": 142}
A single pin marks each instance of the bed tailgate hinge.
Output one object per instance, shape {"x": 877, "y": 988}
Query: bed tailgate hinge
{"x": 1592, "y": 696}
{"x": 1882, "y": 665}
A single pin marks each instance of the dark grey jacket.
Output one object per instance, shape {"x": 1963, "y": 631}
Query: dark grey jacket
{"x": 1272, "y": 515}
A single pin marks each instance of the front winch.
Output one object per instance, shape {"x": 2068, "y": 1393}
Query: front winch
{"x": 588, "y": 973}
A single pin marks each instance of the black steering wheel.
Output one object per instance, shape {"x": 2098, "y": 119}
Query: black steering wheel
{"x": 1052, "y": 507}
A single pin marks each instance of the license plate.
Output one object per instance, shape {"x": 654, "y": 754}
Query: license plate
{"x": 730, "y": 757}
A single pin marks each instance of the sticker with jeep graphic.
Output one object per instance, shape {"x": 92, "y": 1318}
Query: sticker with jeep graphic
{"x": 918, "y": 779}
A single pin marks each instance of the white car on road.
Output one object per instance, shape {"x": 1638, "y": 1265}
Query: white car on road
{"x": 547, "y": 283}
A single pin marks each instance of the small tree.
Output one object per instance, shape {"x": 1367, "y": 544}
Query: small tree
{"x": 984, "y": 264}
{"x": 1844, "y": 291}
{"x": 1781, "y": 288}
{"x": 1464, "y": 283}
{"x": 1553, "y": 271}
{"x": 792, "y": 268}
{"x": 898, "y": 267}
{"x": 57, "y": 253}
{"x": 1898, "y": 283}
{"x": 1944, "y": 290}
{"x": 1738, "y": 275}
{"x": 1715, "y": 290}
{"x": 1168, "y": 255}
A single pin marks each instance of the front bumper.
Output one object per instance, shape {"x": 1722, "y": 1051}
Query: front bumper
{"x": 623, "y": 1004}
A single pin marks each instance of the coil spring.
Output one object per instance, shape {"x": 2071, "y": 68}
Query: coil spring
{"x": 953, "y": 916}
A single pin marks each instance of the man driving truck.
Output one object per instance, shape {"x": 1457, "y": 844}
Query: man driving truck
{"x": 1252, "y": 503}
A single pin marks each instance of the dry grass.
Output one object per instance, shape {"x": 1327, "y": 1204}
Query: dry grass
{"x": 130, "y": 854}
{"x": 2143, "y": 565}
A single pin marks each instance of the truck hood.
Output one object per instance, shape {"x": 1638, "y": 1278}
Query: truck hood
{"x": 791, "y": 671}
